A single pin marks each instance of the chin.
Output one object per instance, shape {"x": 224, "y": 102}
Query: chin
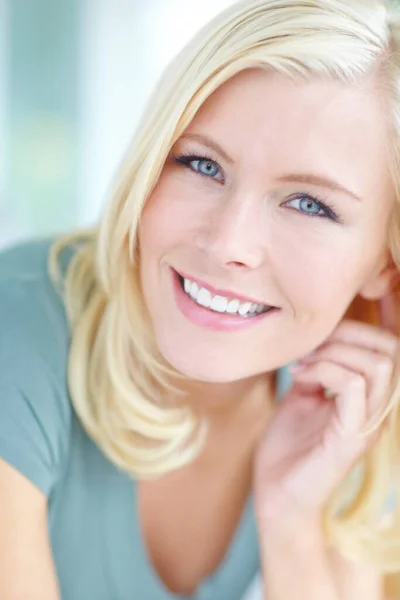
{"x": 205, "y": 366}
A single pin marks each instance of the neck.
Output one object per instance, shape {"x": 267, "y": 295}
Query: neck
{"x": 224, "y": 403}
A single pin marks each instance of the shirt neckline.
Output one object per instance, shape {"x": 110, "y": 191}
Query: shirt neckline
{"x": 133, "y": 558}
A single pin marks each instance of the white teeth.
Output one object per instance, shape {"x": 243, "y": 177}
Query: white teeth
{"x": 244, "y": 308}
{"x": 204, "y": 298}
{"x": 233, "y": 306}
{"x": 194, "y": 290}
{"x": 219, "y": 304}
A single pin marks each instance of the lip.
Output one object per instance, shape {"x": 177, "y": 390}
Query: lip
{"x": 208, "y": 319}
{"x": 220, "y": 292}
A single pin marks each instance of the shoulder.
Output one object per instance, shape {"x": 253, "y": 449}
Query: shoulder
{"x": 35, "y": 410}
{"x": 26, "y": 259}
{"x": 32, "y": 316}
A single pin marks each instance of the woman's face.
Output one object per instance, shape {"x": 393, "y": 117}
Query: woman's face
{"x": 275, "y": 199}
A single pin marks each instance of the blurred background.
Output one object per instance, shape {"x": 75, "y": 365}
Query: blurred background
{"x": 74, "y": 78}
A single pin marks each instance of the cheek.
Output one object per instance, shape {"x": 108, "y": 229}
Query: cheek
{"x": 320, "y": 272}
{"x": 159, "y": 229}
{"x": 172, "y": 216}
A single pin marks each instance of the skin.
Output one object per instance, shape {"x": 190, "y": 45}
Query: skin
{"x": 240, "y": 235}
{"x": 243, "y": 233}
{"x": 310, "y": 444}
{"x": 244, "y": 229}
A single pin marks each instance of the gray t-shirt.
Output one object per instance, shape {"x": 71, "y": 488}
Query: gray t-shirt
{"x": 93, "y": 521}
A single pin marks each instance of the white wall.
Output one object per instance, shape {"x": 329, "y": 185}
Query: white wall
{"x": 7, "y": 230}
{"x": 3, "y": 80}
{"x": 125, "y": 46}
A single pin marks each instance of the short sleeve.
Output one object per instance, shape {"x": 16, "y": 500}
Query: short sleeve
{"x": 35, "y": 411}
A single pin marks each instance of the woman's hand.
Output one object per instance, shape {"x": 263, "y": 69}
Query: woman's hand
{"x": 314, "y": 438}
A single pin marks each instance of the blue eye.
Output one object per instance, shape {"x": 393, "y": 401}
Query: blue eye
{"x": 310, "y": 206}
{"x": 205, "y": 167}
{"x": 201, "y": 164}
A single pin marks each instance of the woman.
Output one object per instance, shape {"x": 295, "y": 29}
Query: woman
{"x": 255, "y": 224}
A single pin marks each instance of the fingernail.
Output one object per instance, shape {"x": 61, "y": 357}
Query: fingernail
{"x": 296, "y": 368}
{"x": 309, "y": 355}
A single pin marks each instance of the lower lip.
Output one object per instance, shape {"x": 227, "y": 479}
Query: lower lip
{"x": 207, "y": 318}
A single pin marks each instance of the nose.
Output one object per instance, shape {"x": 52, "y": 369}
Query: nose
{"x": 232, "y": 236}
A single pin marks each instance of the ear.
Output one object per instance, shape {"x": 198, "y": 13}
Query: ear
{"x": 385, "y": 279}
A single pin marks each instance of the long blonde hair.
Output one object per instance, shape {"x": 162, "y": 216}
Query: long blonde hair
{"x": 116, "y": 376}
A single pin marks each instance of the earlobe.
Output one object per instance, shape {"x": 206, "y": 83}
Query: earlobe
{"x": 382, "y": 283}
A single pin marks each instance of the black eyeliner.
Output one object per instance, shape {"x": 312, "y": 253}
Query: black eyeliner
{"x": 186, "y": 158}
{"x": 329, "y": 210}
{"x": 330, "y": 213}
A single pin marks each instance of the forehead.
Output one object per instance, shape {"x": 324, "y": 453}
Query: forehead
{"x": 265, "y": 118}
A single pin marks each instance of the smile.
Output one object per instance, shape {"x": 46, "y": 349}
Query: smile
{"x": 217, "y": 309}
{"x": 221, "y": 304}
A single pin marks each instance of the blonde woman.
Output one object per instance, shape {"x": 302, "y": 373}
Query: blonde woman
{"x": 152, "y": 446}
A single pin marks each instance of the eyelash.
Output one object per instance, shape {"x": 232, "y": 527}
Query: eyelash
{"x": 329, "y": 210}
{"x": 330, "y": 213}
{"x": 186, "y": 159}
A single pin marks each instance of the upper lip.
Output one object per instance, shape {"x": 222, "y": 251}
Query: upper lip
{"x": 220, "y": 291}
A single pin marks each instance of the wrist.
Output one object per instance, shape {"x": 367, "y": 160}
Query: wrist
{"x": 297, "y": 545}
{"x": 292, "y": 532}
{"x": 296, "y": 566}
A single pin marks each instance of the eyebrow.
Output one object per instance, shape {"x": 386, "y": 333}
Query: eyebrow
{"x": 307, "y": 178}
{"x": 207, "y": 141}
{"x": 318, "y": 181}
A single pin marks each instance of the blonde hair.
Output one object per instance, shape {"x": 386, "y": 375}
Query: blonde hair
{"x": 116, "y": 376}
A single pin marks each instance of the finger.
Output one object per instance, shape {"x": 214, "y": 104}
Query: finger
{"x": 349, "y": 390}
{"x": 389, "y": 309}
{"x": 362, "y": 335}
{"x": 377, "y": 369}
{"x": 300, "y": 390}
